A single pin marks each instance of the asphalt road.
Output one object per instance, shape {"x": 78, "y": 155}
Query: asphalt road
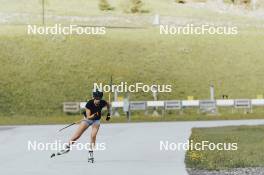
{"x": 130, "y": 149}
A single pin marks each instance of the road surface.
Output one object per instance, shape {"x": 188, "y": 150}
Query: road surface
{"x": 131, "y": 148}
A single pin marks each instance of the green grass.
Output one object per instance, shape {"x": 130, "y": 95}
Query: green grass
{"x": 136, "y": 117}
{"x": 249, "y": 154}
{"x": 39, "y": 73}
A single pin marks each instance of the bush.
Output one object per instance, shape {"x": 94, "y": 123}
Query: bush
{"x": 134, "y": 6}
{"x": 180, "y": 1}
{"x": 105, "y": 6}
{"x": 246, "y": 1}
{"x": 241, "y": 1}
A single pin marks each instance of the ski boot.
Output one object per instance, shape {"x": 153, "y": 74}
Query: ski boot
{"x": 90, "y": 157}
{"x": 64, "y": 151}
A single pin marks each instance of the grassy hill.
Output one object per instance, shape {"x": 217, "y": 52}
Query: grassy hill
{"x": 38, "y": 73}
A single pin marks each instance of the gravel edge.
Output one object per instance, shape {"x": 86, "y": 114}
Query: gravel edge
{"x": 235, "y": 171}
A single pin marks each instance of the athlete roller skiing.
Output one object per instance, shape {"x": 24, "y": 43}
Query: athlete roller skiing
{"x": 92, "y": 116}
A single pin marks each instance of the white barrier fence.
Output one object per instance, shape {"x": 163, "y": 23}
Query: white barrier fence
{"x": 191, "y": 103}
{"x": 204, "y": 106}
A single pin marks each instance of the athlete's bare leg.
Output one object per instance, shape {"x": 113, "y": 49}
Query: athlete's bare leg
{"x": 95, "y": 129}
{"x": 82, "y": 127}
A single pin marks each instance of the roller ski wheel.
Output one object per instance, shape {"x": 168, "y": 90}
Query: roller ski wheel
{"x": 64, "y": 151}
{"x": 91, "y": 160}
{"x": 52, "y": 155}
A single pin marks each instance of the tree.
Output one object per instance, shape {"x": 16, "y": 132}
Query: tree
{"x": 136, "y": 6}
{"x": 105, "y": 6}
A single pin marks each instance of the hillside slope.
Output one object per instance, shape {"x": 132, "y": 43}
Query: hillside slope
{"x": 38, "y": 73}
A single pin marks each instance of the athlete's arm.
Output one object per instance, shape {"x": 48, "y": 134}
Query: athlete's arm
{"x": 88, "y": 114}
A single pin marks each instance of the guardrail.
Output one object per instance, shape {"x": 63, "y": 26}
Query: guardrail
{"x": 189, "y": 103}
{"x": 202, "y": 105}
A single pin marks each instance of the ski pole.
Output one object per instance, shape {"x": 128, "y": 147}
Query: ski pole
{"x": 69, "y": 125}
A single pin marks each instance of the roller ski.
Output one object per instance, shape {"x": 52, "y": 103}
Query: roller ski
{"x": 64, "y": 151}
{"x": 90, "y": 157}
